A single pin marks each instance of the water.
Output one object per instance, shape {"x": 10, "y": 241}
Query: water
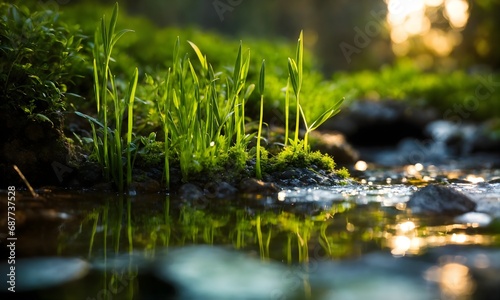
{"x": 347, "y": 242}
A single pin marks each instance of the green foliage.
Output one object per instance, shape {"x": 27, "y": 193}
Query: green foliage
{"x": 201, "y": 106}
{"x": 109, "y": 147}
{"x": 39, "y": 59}
{"x": 202, "y": 112}
{"x": 444, "y": 91}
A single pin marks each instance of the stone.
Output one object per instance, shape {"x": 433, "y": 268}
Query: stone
{"x": 220, "y": 190}
{"x": 438, "y": 199}
{"x": 253, "y": 186}
{"x": 190, "y": 192}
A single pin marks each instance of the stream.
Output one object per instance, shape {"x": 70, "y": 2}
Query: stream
{"x": 357, "y": 241}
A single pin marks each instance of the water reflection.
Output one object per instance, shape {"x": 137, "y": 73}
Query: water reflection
{"x": 406, "y": 238}
{"x": 300, "y": 229}
{"x": 452, "y": 277}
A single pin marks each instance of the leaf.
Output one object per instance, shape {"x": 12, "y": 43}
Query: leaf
{"x": 249, "y": 91}
{"x": 112, "y": 23}
{"x": 89, "y": 118}
{"x": 237, "y": 67}
{"x": 193, "y": 73}
{"x": 292, "y": 71}
{"x": 118, "y": 35}
{"x": 44, "y": 118}
{"x": 201, "y": 58}
{"x": 262, "y": 77}
{"x": 300, "y": 56}
{"x": 332, "y": 111}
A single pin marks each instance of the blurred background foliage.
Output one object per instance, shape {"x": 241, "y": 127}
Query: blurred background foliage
{"x": 439, "y": 33}
{"x": 431, "y": 52}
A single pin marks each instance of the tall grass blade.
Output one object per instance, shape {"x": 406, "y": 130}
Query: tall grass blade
{"x": 258, "y": 170}
{"x": 131, "y": 93}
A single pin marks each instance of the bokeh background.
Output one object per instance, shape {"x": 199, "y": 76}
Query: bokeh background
{"x": 350, "y": 35}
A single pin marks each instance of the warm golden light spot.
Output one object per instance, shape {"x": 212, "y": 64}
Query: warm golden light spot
{"x": 281, "y": 196}
{"x": 437, "y": 41}
{"x": 413, "y": 21}
{"x": 406, "y": 226}
{"x": 400, "y": 244}
{"x": 419, "y": 167}
{"x": 459, "y": 238}
{"x": 401, "y": 49}
{"x": 457, "y": 12}
{"x": 361, "y": 165}
{"x": 433, "y": 3}
{"x": 474, "y": 178}
{"x": 455, "y": 280}
{"x": 399, "y": 35}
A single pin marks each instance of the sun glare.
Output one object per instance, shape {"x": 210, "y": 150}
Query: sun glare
{"x": 413, "y": 20}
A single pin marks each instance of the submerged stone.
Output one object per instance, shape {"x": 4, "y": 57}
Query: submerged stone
{"x": 438, "y": 199}
{"x": 41, "y": 273}
{"x": 205, "y": 272}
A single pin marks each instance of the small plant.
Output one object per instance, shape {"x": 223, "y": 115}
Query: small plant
{"x": 295, "y": 71}
{"x": 202, "y": 112}
{"x": 109, "y": 149}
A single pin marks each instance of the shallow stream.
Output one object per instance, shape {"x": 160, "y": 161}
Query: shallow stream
{"x": 355, "y": 241}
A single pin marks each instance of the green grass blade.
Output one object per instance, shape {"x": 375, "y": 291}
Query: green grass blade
{"x": 293, "y": 73}
{"x": 300, "y": 56}
{"x": 262, "y": 78}
{"x": 131, "y": 94}
{"x": 201, "y": 57}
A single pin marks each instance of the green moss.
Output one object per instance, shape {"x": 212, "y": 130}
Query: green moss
{"x": 343, "y": 173}
{"x": 151, "y": 155}
{"x": 296, "y": 156}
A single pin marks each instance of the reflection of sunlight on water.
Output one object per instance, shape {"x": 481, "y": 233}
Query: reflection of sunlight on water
{"x": 474, "y": 179}
{"x": 406, "y": 239}
{"x": 453, "y": 278}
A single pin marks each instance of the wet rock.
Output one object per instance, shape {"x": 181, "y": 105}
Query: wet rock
{"x": 147, "y": 186}
{"x": 437, "y": 199}
{"x": 220, "y": 190}
{"x": 190, "y": 192}
{"x": 304, "y": 177}
{"x": 255, "y": 186}
{"x": 376, "y": 123}
{"x": 334, "y": 144}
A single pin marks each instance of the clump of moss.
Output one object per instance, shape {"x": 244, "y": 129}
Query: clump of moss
{"x": 343, "y": 173}
{"x": 296, "y": 156}
{"x": 151, "y": 155}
